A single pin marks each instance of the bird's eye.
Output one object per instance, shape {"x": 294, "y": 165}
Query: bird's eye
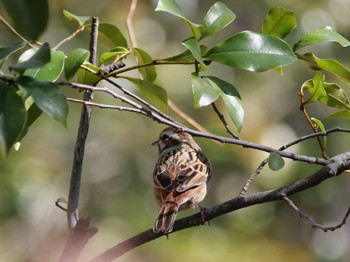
{"x": 164, "y": 137}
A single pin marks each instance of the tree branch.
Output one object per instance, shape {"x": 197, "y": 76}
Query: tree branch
{"x": 160, "y": 117}
{"x": 74, "y": 187}
{"x": 312, "y": 221}
{"x": 339, "y": 164}
{"x": 78, "y": 238}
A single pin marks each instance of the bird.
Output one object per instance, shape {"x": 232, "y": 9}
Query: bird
{"x": 180, "y": 177}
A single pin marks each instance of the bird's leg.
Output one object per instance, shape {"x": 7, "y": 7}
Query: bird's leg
{"x": 202, "y": 211}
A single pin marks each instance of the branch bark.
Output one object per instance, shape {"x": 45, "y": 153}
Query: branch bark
{"x": 74, "y": 188}
{"x": 338, "y": 165}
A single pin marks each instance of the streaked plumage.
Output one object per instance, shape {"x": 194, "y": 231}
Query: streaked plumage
{"x": 180, "y": 176}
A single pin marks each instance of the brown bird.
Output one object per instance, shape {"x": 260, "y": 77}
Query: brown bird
{"x": 180, "y": 176}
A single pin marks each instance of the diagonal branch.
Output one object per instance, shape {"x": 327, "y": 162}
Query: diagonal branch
{"x": 156, "y": 115}
{"x": 312, "y": 220}
{"x": 339, "y": 164}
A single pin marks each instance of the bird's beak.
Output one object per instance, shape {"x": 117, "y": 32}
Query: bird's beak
{"x": 155, "y": 143}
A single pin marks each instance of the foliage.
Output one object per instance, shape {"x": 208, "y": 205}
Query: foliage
{"x": 246, "y": 50}
{"x": 36, "y": 80}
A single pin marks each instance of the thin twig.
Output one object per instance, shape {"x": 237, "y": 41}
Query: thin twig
{"x": 4, "y": 22}
{"x": 312, "y": 221}
{"x": 284, "y": 147}
{"x": 120, "y": 108}
{"x": 163, "y": 118}
{"x": 223, "y": 120}
{"x": 129, "y": 24}
{"x": 189, "y": 119}
{"x": 311, "y": 123}
{"x": 79, "y": 30}
{"x": 74, "y": 188}
{"x": 152, "y": 63}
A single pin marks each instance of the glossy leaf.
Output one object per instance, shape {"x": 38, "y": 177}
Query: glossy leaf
{"x": 173, "y": 8}
{"x": 33, "y": 113}
{"x": 252, "y": 51}
{"x": 323, "y": 34}
{"x": 279, "y": 22}
{"x": 194, "y": 47}
{"x": 72, "y": 17}
{"x": 336, "y": 96}
{"x": 217, "y": 18}
{"x": 231, "y": 98}
{"x": 109, "y": 57}
{"x": 110, "y": 35}
{"x": 33, "y": 58}
{"x": 50, "y": 71}
{"x": 275, "y": 162}
{"x": 342, "y": 113}
{"x": 329, "y": 65}
{"x": 47, "y": 96}
{"x": 154, "y": 93}
{"x": 29, "y": 17}
{"x": 203, "y": 93}
{"x": 12, "y": 117}
{"x": 85, "y": 77}
{"x": 315, "y": 87}
{"x": 73, "y": 62}
{"x": 148, "y": 72}
{"x": 6, "y": 51}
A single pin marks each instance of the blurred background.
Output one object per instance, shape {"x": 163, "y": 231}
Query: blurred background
{"x": 116, "y": 187}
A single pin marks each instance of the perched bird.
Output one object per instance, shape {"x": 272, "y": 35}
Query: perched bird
{"x": 180, "y": 176}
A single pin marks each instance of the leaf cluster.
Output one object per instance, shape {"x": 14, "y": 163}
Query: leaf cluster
{"x": 32, "y": 88}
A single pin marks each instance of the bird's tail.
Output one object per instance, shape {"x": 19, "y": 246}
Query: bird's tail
{"x": 166, "y": 218}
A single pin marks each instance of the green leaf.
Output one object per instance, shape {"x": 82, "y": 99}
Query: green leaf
{"x": 342, "y": 113}
{"x": 330, "y": 65}
{"x": 33, "y": 58}
{"x": 73, "y": 62}
{"x": 336, "y": 96}
{"x": 169, "y": 6}
{"x": 85, "y": 77}
{"x": 217, "y": 18}
{"x": 110, "y": 35}
{"x": 323, "y": 34}
{"x": 203, "y": 93}
{"x": 47, "y": 96}
{"x": 106, "y": 57}
{"x": 12, "y": 117}
{"x": 194, "y": 47}
{"x": 32, "y": 114}
{"x": 186, "y": 56}
{"x": 321, "y": 127}
{"x": 252, "y": 51}
{"x": 279, "y": 22}
{"x": 29, "y": 17}
{"x": 50, "y": 71}
{"x": 154, "y": 93}
{"x": 315, "y": 87}
{"x": 149, "y": 72}
{"x": 173, "y": 8}
{"x": 5, "y": 52}
{"x": 231, "y": 98}
{"x": 276, "y": 162}
{"x": 72, "y": 17}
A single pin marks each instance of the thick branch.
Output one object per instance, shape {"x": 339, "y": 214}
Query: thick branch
{"x": 339, "y": 164}
{"x": 78, "y": 238}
